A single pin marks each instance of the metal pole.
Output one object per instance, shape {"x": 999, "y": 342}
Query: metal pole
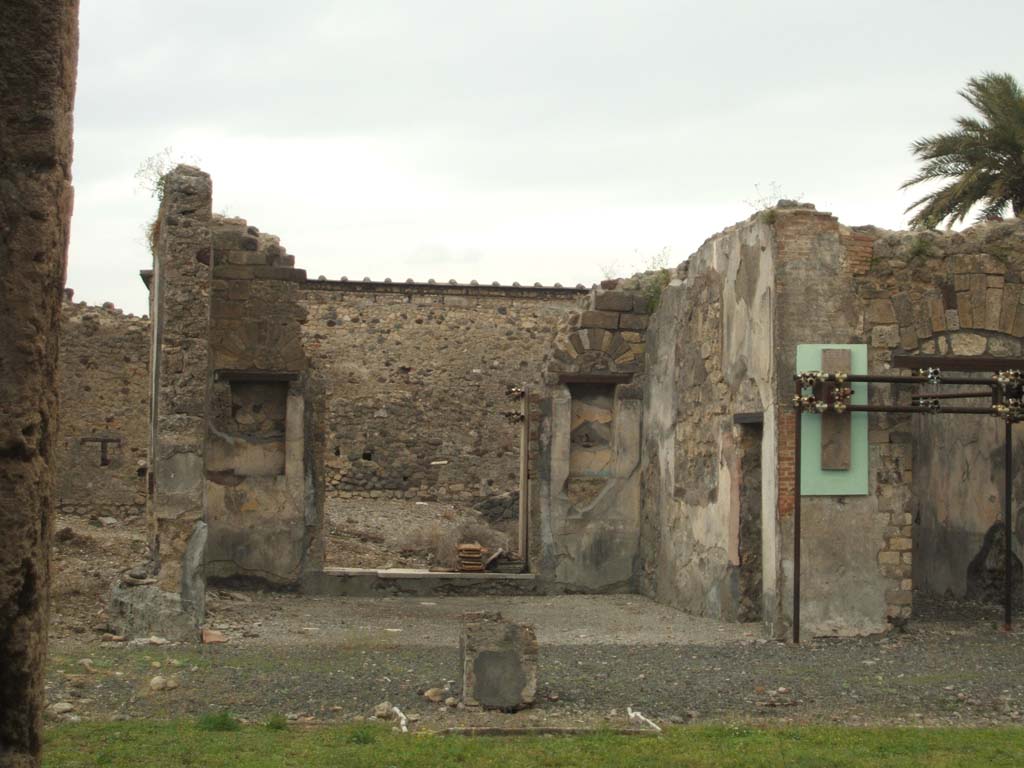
{"x": 524, "y": 483}
{"x": 1008, "y": 528}
{"x": 918, "y": 409}
{"x": 951, "y": 395}
{"x": 796, "y": 527}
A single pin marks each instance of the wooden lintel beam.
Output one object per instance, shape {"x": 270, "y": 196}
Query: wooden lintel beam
{"x": 595, "y": 378}
{"x": 756, "y": 417}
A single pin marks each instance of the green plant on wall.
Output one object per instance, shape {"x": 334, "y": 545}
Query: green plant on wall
{"x": 920, "y": 248}
{"x": 654, "y": 277}
{"x": 652, "y": 284}
{"x": 765, "y": 201}
{"x": 151, "y": 176}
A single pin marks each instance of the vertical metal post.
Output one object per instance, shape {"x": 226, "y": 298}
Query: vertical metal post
{"x": 796, "y": 525}
{"x": 524, "y": 483}
{"x": 1008, "y": 528}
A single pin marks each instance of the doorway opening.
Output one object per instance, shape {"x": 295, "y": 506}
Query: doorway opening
{"x": 750, "y": 547}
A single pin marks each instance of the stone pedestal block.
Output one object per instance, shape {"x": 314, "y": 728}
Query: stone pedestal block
{"x": 499, "y": 663}
{"x": 138, "y": 611}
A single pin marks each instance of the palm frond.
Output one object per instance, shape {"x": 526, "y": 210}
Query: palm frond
{"x": 983, "y": 158}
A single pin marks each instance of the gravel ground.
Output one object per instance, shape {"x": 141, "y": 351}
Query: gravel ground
{"x": 329, "y": 659}
{"x": 332, "y": 659}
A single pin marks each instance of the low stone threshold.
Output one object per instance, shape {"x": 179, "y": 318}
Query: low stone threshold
{"x": 422, "y": 573}
{"x": 415, "y": 582}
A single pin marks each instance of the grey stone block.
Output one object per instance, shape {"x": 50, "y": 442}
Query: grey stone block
{"x": 499, "y": 663}
{"x": 599, "y": 319}
{"x": 614, "y": 301}
{"x": 143, "y": 610}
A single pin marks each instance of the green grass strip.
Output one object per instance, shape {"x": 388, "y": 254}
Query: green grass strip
{"x": 181, "y": 743}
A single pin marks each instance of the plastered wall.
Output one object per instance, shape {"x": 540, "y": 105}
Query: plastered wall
{"x": 710, "y": 347}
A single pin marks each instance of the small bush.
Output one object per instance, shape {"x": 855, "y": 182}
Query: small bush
{"x": 277, "y": 723}
{"x": 153, "y": 234}
{"x": 920, "y": 248}
{"x": 362, "y": 735}
{"x": 217, "y": 721}
{"x": 652, "y": 285}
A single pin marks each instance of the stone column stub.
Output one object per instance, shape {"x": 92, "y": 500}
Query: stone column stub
{"x": 172, "y": 604}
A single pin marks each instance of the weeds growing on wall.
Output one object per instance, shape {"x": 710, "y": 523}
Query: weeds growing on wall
{"x": 655, "y": 277}
{"x": 652, "y": 284}
{"x": 151, "y": 177}
{"x": 765, "y": 201}
{"x": 920, "y": 248}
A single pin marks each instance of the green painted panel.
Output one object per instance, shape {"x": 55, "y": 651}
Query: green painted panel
{"x": 815, "y": 481}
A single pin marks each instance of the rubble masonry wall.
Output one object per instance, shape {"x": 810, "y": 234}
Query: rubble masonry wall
{"x": 955, "y": 293}
{"x": 414, "y": 379}
{"x": 104, "y": 383}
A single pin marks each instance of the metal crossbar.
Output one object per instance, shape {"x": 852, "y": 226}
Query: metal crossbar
{"x": 1005, "y": 386}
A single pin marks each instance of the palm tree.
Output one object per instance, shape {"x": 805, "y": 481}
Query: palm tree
{"x": 983, "y": 157}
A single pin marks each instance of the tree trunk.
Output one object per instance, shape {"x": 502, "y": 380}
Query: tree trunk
{"x": 38, "y": 61}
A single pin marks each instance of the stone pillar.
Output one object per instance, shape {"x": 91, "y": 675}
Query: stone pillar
{"x": 38, "y": 60}
{"x": 264, "y": 503}
{"x": 174, "y": 605}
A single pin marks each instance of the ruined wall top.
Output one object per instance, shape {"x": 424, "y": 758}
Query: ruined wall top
{"x": 537, "y": 291}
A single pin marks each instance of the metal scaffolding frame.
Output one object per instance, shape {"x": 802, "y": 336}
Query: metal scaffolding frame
{"x": 831, "y": 392}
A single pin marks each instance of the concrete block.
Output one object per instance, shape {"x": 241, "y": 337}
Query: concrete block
{"x": 499, "y": 663}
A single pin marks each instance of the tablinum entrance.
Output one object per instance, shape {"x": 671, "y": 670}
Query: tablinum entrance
{"x": 411, "y": 535}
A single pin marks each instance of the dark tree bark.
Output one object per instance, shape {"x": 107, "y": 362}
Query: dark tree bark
{"x": 38, "y": 61}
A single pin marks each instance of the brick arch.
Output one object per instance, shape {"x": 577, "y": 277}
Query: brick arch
{"x": 593, "y": 350}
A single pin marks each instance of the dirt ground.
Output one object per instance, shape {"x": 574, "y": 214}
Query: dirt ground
{"x": 333, "y": 659}
{"x": 87, "y": 556}
{"x": 371, "y": 533}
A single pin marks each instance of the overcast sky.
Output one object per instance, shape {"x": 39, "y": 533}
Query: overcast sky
{"x": 509, "y": 140}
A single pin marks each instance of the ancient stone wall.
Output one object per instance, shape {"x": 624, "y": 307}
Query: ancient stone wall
{"x": 710, "y": 348}
{"x": 849, "y": 584}
{"x": 957, "y": 293}
{"x": 263, "y": 501}
{"x": 414, "y": 379}
{"x": 585, "y": 491}
{"x": 38, "y": 61}
{"x": 102, "y": 442}
{"x": 179, "y": 370}
{"x": 722, "y": 349}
